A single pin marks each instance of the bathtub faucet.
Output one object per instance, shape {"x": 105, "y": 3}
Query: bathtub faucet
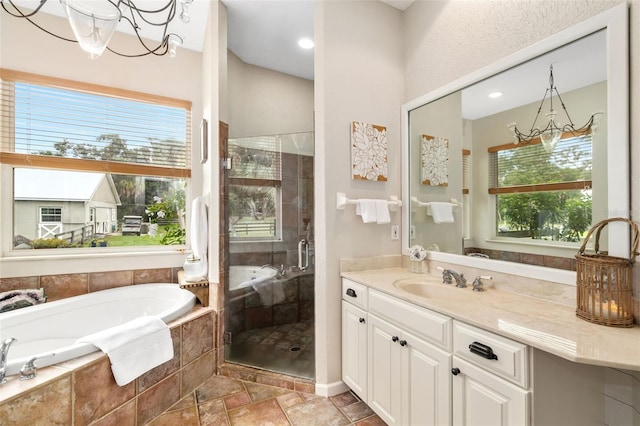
{"x": 4, "y": 351}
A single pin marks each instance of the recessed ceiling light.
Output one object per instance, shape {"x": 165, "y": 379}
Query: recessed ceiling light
{"x": 305, "y": 43}
{"x": 495, "y": 94}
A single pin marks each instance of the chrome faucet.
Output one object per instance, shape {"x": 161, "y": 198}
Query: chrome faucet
{"x": 449, "y": 275}
{"x": 478, "y": 285}
{"x": 280, "y": 271}
{"x": 4, "y": 352}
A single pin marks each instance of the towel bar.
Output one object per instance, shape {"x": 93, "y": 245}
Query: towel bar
{"x": 342, "y": 201}
{"x": 419, "y": 203}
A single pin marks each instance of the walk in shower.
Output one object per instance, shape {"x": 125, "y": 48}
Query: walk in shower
{"x": 269, "y": 293}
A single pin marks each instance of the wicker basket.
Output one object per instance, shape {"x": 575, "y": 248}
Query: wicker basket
{"x": 604, "y": 283}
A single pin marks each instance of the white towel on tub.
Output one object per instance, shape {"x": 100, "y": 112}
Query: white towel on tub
{"x": 134, "y": 347}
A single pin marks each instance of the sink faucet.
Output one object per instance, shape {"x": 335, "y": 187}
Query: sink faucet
{"x": 478, "y": 285}
{"x": 4, "y": 351}
{"x": 280, "y": 271}
{"x": 448, "y": 275}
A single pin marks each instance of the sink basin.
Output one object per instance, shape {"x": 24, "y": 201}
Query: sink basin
{"x": 432, "y": 288}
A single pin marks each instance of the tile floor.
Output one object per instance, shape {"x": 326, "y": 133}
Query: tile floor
{"x": 225, "y": 401}
{"x": 286, "y": 349}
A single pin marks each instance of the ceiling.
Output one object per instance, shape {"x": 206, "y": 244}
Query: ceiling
{"x": 265, "y": 33}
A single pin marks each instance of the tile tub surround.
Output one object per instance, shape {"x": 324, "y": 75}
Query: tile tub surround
{"x": 61, "y": 286}
{"x": 83, "y": 391}
{"x": 549, "y": 326}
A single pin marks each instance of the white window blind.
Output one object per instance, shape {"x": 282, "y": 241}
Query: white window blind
{"x": 44, "y": 117}
{"x": 529, "y": 168}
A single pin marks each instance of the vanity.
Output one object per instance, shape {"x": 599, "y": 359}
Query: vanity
{"x": 420, "y": 352}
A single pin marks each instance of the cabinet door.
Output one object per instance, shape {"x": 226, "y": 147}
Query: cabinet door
{"x": 385, "y": 361}
{"x": 354, "y": 349}
{"x": 481, "y": 398}
{"x": 428, "y": 370}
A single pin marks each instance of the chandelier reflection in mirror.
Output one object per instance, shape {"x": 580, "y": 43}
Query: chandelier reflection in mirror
{"x": 552, "y": 133}
{"x": 93, "y": 22}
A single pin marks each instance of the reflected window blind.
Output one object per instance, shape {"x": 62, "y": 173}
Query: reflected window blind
{"x": 47, "y": 120}
{"x": 256, "y": 158}
{"x": 466, "y": 171}
{"x": 529, "y": 168}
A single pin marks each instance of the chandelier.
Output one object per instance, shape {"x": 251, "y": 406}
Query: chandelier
{"x": 551, "y": 134}
{"x": 93, "y": 22}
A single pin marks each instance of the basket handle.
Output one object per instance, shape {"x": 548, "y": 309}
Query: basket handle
{"x": 598, "y": 227}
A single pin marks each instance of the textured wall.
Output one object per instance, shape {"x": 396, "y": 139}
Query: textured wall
{"x": 445, "y": 40}
{"x": 359, "y": 74}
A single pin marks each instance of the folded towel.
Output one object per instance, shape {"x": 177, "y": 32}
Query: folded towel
{"x": 134, "y": 347}
{"x": 382, "y": 212}
{"x": 198, "y": 234}
{"x": 441, "y": 212}
{"x": 367, "y": 209}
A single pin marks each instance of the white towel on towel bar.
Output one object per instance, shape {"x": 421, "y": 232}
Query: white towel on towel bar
{"x": 382, "y": 212}
{"x": 367, "y": 210}
{"x": 134, "y": 347}
{"x": 441, "y": 212}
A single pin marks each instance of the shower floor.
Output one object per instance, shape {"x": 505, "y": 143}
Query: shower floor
{"x": 286, "y": 349}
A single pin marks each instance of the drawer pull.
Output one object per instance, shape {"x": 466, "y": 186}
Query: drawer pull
{"x": 361, "y": 320}
{"x": 403, "y": 343}
{"x": 482, "y": 350}
{"x": 455, "y": 371}
{"x": 394, "y": 339}
{"x": 351, "y": 292}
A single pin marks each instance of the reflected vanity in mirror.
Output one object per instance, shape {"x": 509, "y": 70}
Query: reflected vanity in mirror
{"x": 477, "y": 197}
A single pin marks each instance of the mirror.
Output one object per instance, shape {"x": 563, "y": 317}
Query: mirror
{"x": 449, "y": 133}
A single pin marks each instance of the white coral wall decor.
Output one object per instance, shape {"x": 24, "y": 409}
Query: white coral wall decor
{"x": 368, "y": 152}
{"x": 435, "y": 161}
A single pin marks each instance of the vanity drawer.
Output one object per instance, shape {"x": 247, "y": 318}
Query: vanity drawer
{"x": 354, "y": 293}
{"x": 502, "y": 356}
{"x": 431, "y": 326}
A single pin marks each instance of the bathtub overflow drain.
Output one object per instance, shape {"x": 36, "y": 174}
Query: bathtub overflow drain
{"x": 294, "y": 348}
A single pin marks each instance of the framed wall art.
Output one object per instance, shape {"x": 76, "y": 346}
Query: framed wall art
{"x": 368, "y": 152}
{"x": 435, "y": 161}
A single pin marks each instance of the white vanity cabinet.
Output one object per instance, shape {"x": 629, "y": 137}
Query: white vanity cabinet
{"x": 354, "y": 337}
{"x": 490, "y": 378}
{"x": 409, "y": 379}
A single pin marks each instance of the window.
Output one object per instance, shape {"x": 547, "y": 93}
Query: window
{"x": 255, "y": 183}
{"x": 101, "y": 153}
{"x": 540, "y": 195}
{"x": 50, "y": 214}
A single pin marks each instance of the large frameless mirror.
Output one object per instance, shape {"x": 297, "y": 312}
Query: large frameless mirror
{"x": 474, "y": 196}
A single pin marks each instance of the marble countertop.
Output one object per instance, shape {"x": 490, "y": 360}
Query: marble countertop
{"x": 541, "y": 324}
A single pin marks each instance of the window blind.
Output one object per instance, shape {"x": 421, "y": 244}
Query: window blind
{"x": 57, "y": 123}
{"x": 529, "y": 168}
{"x": 256, "y": 158}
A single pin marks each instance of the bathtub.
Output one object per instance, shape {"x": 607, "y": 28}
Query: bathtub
{"x": 54, "y": 327}
{"x": 241, "y": 276}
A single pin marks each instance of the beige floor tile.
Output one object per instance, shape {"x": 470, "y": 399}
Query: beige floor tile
{"x": 267, "y": 412}
{"x": 213, "y": 413}
{"x": 357, "y": 411}
{"x": 259, "y": 392}
{"x": 184, "y": 417}
{"x": 218, "y": 387}
{"x": 319, "y": 412}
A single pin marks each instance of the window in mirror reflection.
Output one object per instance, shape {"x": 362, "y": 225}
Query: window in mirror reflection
{"x": 541, "y": 195}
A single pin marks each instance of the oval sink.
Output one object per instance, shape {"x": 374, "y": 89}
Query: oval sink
{"x": 431, "y": 288}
